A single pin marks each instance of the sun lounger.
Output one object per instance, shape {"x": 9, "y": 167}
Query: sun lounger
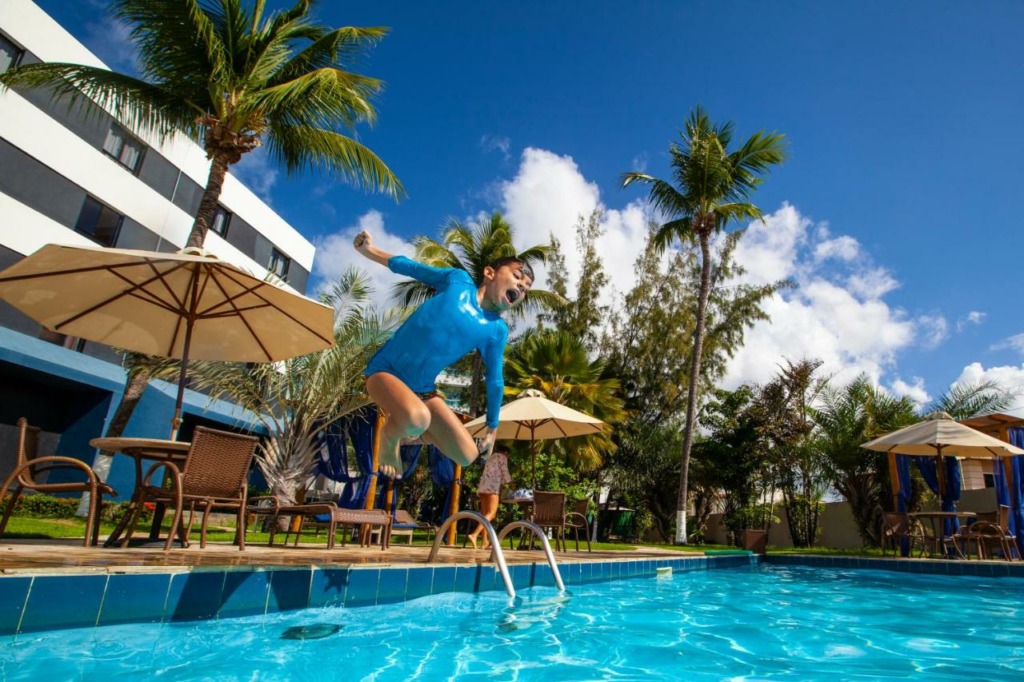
{"x": 329, "y": 513}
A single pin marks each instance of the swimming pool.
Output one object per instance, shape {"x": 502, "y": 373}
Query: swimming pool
{"x": 768, "y": 622}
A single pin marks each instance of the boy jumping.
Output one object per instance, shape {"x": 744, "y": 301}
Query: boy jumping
{"x": 462, "y": 316}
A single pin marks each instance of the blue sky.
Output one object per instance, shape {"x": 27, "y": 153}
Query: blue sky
{"x": 896, "y": 213}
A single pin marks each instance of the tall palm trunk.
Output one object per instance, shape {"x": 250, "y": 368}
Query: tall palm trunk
{"x": 138, "y": 379}
{"x": 208, "y": 204}
{"x": 691, "y": 406}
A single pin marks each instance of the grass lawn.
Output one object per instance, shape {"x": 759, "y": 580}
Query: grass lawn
{"x": 25, "y": 527}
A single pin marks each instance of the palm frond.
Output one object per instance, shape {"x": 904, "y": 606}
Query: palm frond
{"x": 301, "y": 147}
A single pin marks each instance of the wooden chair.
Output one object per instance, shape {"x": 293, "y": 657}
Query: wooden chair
{"x": 28, "y": 473}
{"x": 897, "y": 527}
{"x": 214, "y": 476}
{"x": 549, "y": 514}
{"x": 989, "y": 535}
{"x": 576, "y": 520}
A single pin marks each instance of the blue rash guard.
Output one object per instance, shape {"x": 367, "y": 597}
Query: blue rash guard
{"x": 442, "y": 330}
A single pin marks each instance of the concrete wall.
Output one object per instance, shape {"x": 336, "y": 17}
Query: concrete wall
{"x": 836, "y": 528}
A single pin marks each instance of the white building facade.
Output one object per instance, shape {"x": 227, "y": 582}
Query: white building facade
{"x": 75, "y": 176}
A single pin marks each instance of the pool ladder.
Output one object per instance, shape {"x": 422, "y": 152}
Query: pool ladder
{"x": 497, "y": 556}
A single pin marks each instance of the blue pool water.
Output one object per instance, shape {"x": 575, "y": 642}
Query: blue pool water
{"x": 764, "y": 623}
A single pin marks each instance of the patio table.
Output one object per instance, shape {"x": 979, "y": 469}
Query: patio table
{"x": 153, "y": 449}
{"x": 936, "y": 521}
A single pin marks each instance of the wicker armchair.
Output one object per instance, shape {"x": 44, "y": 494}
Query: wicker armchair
{"x": 215, "y": 476}
{"x": 28, "y": 473}
{"x": 576, "y": 520}
{"x": 897, "y": 527}
{"x": 991, "y": 534}
{"x": 549, "y": 514}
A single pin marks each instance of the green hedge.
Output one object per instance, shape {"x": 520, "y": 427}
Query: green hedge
{"x": 41, "y": 506}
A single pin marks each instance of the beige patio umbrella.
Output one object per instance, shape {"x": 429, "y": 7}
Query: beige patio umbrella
{"x": 533, "y": 417}
{"x": 176, "y": 305}
{"x": 938, "y": 436}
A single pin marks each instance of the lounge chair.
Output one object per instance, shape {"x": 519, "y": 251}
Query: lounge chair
{"x": 405, "y": 525}
{"x": 29, "y": 474}
{"x": 325, "y": 512}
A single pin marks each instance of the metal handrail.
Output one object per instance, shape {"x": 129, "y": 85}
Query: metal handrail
{"x": 538, "y": 532}
{"x": 496, "y": 554}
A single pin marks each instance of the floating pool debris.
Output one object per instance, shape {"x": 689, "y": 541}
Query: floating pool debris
{"x": 314, "y": 631}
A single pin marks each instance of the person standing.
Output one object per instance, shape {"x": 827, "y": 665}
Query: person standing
{"x": 494, "y": 476}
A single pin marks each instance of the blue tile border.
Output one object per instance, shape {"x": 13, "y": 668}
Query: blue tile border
{"x": 984, "y": 569}
{"x": 33, "y": 602}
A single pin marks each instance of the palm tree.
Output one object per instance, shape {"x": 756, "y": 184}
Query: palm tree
{"x": 711, "y": 187}
{"x": 556, "y": 363}
{"x": 295, "y": 400}
{"x": 963, "y": 401}
{"x": 471, "y": 248}
{"x": 848, "y": 416}
{"x": 233, "y": 79}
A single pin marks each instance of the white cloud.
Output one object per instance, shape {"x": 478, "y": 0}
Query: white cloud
{"x": 1015, "y": 342}
{"x": 973, "y": 317}
{"x": 549, "y": 194}
{"x": 491, "y": 143}
{"x": 1008, "y": 377}
{"x": 842, "y": 248}
{"x": 932, "y": 330}
{"x": 831, "y": 315}
{"x": 109, "y": 39}
{"x": 914, "y": 390}
{"x": 258, "y": 172}
{"x": 335, "y": 254}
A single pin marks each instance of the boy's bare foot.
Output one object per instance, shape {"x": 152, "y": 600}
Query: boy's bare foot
{"x": 472, "y": 540}
{"x": 391, "y": 463}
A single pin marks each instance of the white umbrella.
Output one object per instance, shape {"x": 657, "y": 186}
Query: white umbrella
{"x": 533, "y": 417}
{"x": 175, "y": 305}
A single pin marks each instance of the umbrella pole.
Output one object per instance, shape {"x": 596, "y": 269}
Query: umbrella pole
{"x": 533, "y": 458}
{"x": 176, "y": 420}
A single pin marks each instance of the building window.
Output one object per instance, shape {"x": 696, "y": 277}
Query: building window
{"x": 123, "y": 147}
{"x": 10, "y": 54}
{"x": 98, "y": 222}
{"x": 990, "y": 479}
{"x": 220, "y": 222}
{"x": 279, "y": 264}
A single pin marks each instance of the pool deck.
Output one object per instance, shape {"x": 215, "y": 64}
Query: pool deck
{"x": 69, "y": 556}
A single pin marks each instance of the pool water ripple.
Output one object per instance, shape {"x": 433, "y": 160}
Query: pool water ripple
{"x": 763, "y": 623}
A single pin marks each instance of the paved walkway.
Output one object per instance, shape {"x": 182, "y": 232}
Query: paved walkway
{"x": 32, "y": 556}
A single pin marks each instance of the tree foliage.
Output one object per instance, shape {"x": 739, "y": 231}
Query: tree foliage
{"x": 710, "y": 191}
{"x": 583, "y": 316}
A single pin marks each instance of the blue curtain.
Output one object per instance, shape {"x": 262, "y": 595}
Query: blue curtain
{"x": 1016, "y": 488}
{"x": 333, "y": 462}
{"x": 903, "y": 474}
{"x": 954, "y": 482}
{"x": 442, "y": 470}
{"x": 903, "y": 494}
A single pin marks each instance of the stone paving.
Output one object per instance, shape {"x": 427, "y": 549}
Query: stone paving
{"x": 68, "y": 556}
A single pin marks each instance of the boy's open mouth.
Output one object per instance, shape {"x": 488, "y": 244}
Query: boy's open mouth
{"x": 513, "y": 295}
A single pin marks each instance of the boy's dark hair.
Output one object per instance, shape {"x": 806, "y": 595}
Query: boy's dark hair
{"x": 511, "y": 260}
{"x": 501, "y": 447}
